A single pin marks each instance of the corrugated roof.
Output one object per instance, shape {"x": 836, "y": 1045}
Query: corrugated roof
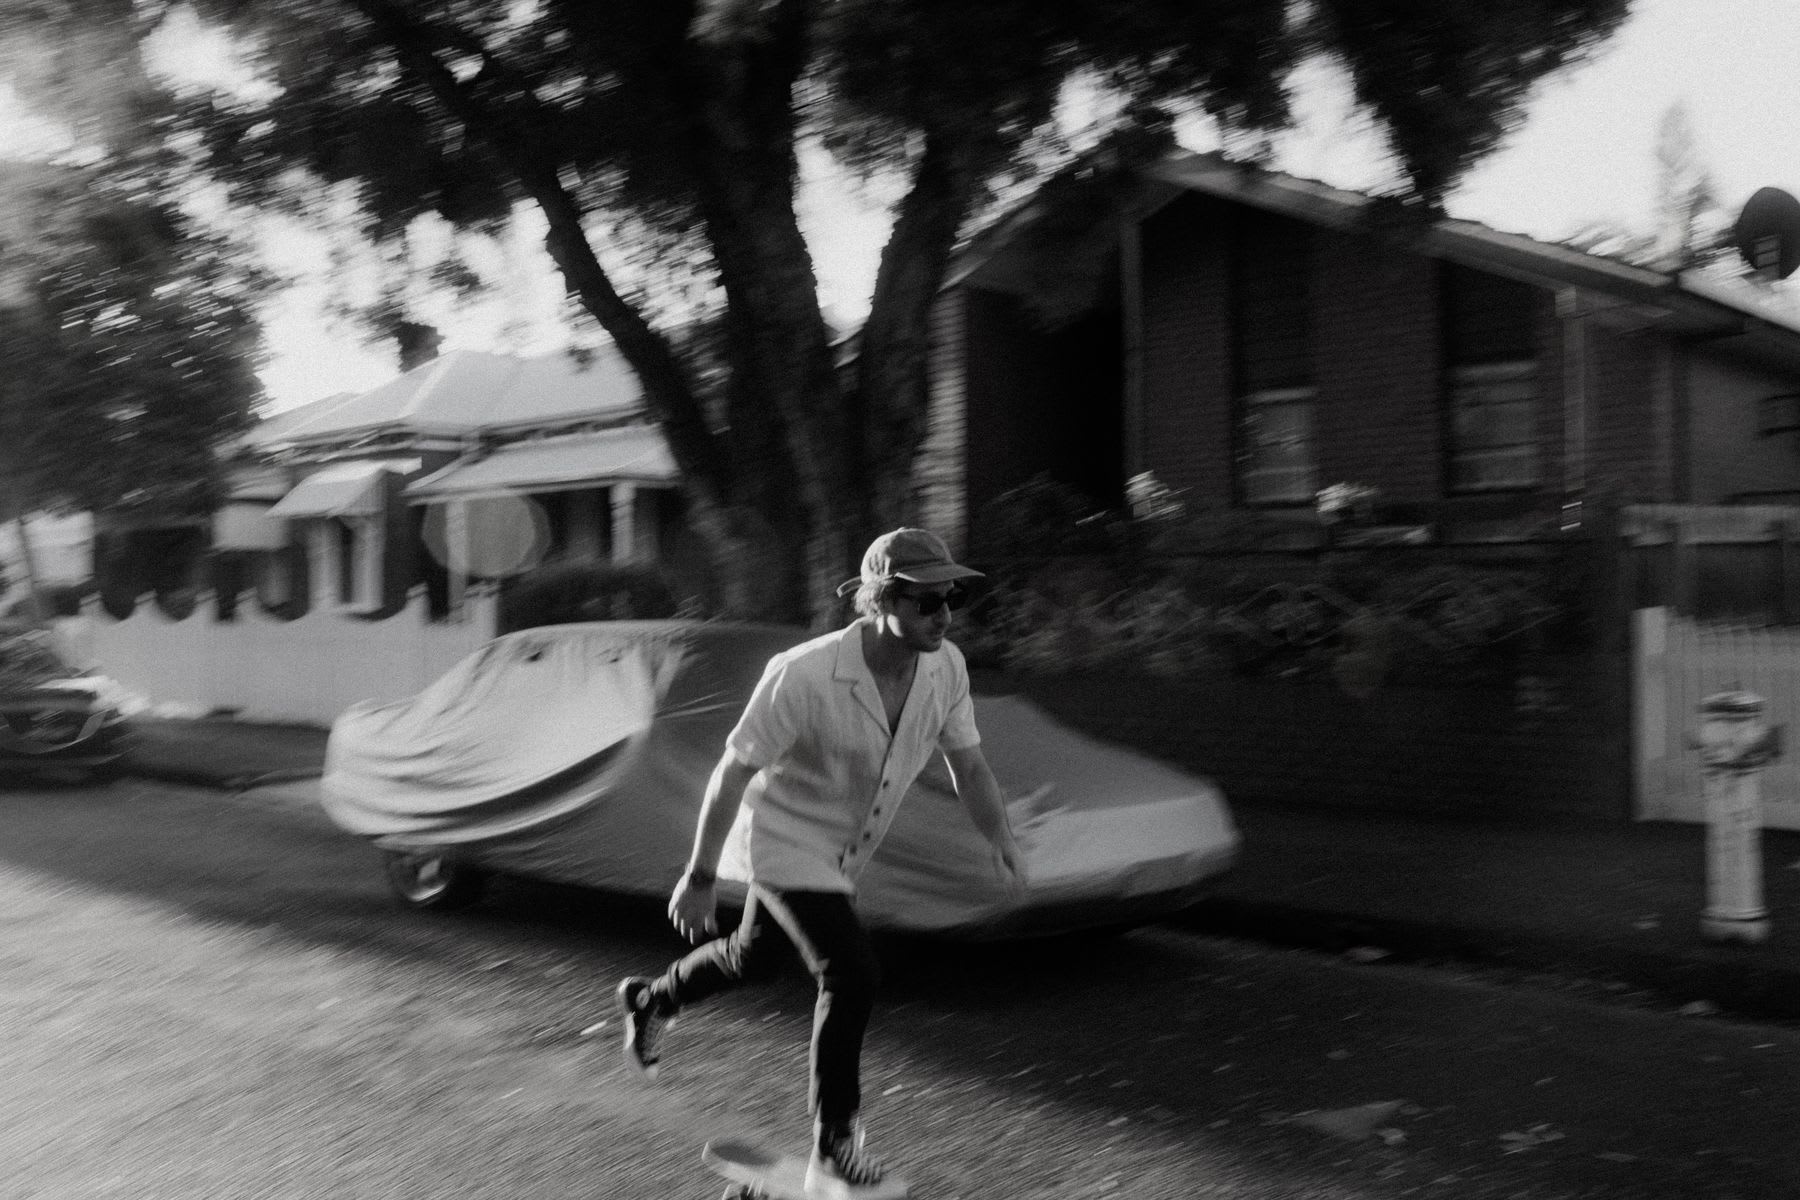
{"x": 633, "y": 452}
{"x": 467, "y": 392}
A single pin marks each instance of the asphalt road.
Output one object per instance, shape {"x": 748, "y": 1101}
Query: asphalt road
{"x": 211, "y": 997}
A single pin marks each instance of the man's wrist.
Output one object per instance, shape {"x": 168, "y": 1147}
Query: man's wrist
{"x": 700, "y": 875}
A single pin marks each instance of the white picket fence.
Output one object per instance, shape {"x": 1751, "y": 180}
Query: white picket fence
{"x": 307, "y": 670}
{"x": 1676, "y": 664}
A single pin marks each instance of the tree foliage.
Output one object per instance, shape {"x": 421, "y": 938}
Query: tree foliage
{"x": 660, "y": 139}
{"x": 130, "y": 339}
{"x": 1690, "y": 228}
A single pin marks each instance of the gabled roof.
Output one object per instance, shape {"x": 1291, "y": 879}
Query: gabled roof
{"x": 1684, "y": 303}
{"x": 466, "y": 393}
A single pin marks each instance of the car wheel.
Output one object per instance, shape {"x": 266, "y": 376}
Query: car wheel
{"x": 432, "y": 880}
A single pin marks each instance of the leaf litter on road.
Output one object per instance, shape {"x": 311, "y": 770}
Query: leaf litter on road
{"x": 1355, "y": 1123}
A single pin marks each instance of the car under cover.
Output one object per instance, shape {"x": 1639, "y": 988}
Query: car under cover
{"x": 580, "y": 753}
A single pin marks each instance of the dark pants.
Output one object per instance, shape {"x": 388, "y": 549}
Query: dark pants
{"x": 824, "y": 928}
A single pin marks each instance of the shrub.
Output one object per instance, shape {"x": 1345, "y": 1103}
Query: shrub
{"x": 564, "y": 593}
{"x": 1042, "y": 518}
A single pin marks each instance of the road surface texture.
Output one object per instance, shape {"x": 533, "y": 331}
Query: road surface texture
{"x": 210, "y": 997}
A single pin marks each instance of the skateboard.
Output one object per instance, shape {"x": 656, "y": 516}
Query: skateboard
{"x": 757, "y": 1173}
{"x": 754, "y": 1172}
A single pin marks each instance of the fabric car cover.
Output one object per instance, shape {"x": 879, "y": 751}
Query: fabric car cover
{"x": 580, "y": 753}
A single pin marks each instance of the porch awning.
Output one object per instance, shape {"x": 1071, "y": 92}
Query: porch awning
{"x": 633, "y": 453}
{"x": 342, "y": 490}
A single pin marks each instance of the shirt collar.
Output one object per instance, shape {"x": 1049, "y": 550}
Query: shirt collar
{"x": 853, "y": 669}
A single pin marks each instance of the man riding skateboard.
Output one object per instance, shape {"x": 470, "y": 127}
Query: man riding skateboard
{"x": 833, "y": 736}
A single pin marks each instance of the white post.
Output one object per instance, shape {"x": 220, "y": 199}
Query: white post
{"x": 456, "y": 552}
{"x": 1734, "y": 745}
{"x": 624, "y": 522}
{"x": 322, "y": 564}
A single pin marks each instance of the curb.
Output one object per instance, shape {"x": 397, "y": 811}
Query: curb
{"x": 241, "y": 782}
{"x": 1709, "y": 980}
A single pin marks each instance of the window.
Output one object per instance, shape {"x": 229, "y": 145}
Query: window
{"x": 1493, "y": 435}
{"x": 1491, "y": 382}
{"x": 1276, "y": 465}
{"x": 1272, "y": 344}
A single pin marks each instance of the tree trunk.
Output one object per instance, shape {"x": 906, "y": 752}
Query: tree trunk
{"x": 749, "y": 552}
{"x": 34, "y": 604}
{"x": 747, "y": 175}
{"x": 892, "y": 384}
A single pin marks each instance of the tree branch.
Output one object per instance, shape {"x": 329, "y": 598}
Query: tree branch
{"x": 512, "y": 136}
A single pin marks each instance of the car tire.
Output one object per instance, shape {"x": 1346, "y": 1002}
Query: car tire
{"x": 431, "y": 881}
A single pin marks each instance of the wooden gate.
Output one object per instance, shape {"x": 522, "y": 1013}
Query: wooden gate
{"x": 1677, "y": 663}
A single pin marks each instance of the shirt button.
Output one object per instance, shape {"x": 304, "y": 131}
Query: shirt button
{"x": 884, "y": 783}
{"x": 866, "y": 837}
{"x": 878, "y": 810}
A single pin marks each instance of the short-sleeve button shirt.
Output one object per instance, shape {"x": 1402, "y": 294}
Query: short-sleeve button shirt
{"x": 830, "y": 773}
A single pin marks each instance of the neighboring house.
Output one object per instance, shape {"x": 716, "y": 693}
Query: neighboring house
{"x": 1250, "y": 339}
{"x": 359, "y": 522}
{"x": 469, "y": 466}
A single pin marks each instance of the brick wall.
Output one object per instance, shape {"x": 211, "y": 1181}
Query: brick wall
{"x": 1375, "y": 336}
{"x": 1378, "y": 367}
{"x": 1624, "y": 454}
{"x": 940, "y": 470}
{"x": 1730, "y": 461}
{"x": 1186, "y": 347}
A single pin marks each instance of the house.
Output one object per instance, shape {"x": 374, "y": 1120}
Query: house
{"x": 1262, "y": 346}
{"x": 359, "y": 526}
{"x": 1250, "y": 339}
{"x": 470, "y": 466}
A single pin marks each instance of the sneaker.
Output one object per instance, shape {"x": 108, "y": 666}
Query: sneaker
{"x": 842, "y": 1170}
{"x": 644, "y": 1025}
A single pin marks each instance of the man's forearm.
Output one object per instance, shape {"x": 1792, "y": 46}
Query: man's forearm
{"x": 981, "y": 796}
{"x": 724, "y": 795}
{"x": 987, "y": 808}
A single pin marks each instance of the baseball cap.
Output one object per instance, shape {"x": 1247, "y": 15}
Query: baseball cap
{"x": 915, "y": 555}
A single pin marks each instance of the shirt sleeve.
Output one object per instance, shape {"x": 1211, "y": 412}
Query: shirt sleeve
{"x": 767, "y": 728}
{"x": 959, "y": 724}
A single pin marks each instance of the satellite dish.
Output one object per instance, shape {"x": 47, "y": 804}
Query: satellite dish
{"x": 1767, "y": 233}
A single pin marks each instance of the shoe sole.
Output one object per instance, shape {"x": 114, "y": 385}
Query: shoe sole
{"x": 628, "y": 1015}
{"x": 829, "y": 1188}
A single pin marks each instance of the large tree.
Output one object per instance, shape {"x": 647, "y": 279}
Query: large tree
{"x": 660, "y": 139}
{"x": 130, "y": 340}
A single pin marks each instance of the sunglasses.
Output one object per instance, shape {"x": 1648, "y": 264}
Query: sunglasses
{"x": 930, "y": 602}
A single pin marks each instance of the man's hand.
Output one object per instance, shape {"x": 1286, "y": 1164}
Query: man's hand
{"x": 1009, "y": 861}
{"x": 693, "y": 909}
